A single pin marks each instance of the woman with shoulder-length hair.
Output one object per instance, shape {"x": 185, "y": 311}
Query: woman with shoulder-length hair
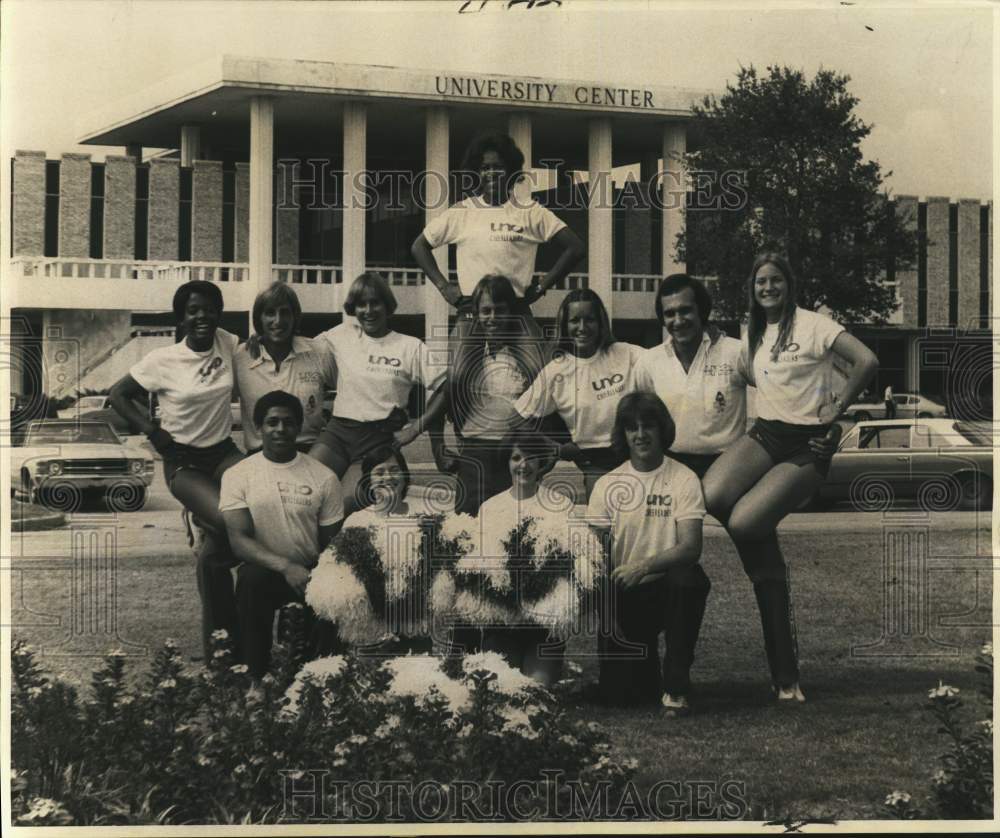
{"x": 377, "y": 370}
{"x": 193, "y": 381}
{"x": 497, "y": 364}
{"x": 765, "y": 475}
{"x": 588, "y": 375}
{"x": 279, "y": 358}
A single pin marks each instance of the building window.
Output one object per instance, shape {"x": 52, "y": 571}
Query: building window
{"x": 228, "y": 212}
{"x": 921, "y": 264}
{"x": 51, "y": 208}
{"x": 184, "y": 215}
{"x": 142, "y": 212}
{"x": 953, "y": 264}
{"x": 984, "y": 267}
{"x": 96, "y": 210}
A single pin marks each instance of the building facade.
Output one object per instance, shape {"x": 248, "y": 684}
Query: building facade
{"x": 311, "y": 172}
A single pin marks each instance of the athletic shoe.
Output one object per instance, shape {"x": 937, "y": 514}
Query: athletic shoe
{"x": 675, "y": 705}
{"x": 791, "y": 694}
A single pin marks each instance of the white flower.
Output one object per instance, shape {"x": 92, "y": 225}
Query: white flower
{"x": 987, "y": 650}
{"x": 240, "y": 769}
{"x": 416, "y": 675}
{"x": 357, "y": 739}
{"x": 896, "y": 798}
{"x": 316, "y": 672}
{"x": 339, "y": 762}
{"x": 203, "y": 760}
{"x": 385, "y": 729}
{"x": 508, "y": 681}
{"x": 518, "y": 721}
{"x": 167, "y": 684}
{"x": 941, "y": 777}
{"x": 220, "y": 634}
{"x": 220, "y": 653}
{"x": 239, "y": 669}
{"x": 942, "y": 690}
{"x": 987, "y": 725}
{"x": 566, "y": 739}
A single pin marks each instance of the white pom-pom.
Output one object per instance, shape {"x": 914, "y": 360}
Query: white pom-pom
{"x": 558, "y": 610}
{"x": 336, "y": 593}
{"x": 443, "y": 594}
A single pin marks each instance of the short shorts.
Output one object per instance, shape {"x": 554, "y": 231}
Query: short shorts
{"x": 784, "y": 441}
{"x": 178, "y": 456}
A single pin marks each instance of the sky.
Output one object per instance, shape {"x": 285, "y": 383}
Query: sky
{"x": 924, "y": 74}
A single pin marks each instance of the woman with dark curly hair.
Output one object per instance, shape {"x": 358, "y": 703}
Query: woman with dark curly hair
{"x": 193, "y": 381}
{"x": 496, "y": 232}
{"x": 765, "y": 474}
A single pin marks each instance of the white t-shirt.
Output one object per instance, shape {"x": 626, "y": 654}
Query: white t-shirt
{"x": 375, "y": 375}
{"x": 194, "y": 389}
{"x": 795, "y": 387}
{"x": 504, "y": 511}
{"x": 494, "y": 240}
{"x": 288, "y": 502}
{"x": 642, "y": 508}
{"x": 585, "y": 391}
{"x": 708, "y": 403}
{"x": 498, "y": 384}
{"x": 307, "y": 372}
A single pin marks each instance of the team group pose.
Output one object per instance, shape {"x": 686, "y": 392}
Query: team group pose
{"x": 659, "y": 435}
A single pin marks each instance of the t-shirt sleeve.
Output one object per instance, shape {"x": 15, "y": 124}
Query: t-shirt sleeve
{"x": 641, "y": 376}
{"x": 430, "y": 376}
{"x": 146, "y": 373}
{"x": 445, "y": 228}
{"x": 537, "y": 400}
{"x": 598, "y": 510}
{"x": 689, "y": 502}
{"x": 332, "y": 508}
{"x": 543, "y": 223}
{"x": 327, "y": 363}
{"x": 233, "y": 492}
{"x": 825, "y": 331}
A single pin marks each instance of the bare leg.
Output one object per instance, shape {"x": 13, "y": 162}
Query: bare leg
{"x": 333, "y": 458}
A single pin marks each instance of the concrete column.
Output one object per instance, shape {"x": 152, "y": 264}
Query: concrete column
{"x": 355, "y": 163}
{"x": 74, "y": 206}
{"x": 937, "y": 261}
{"x": 674, "y": 196}
{"x": 28, "y": 193}
{"x": 190, "y": 144}
{"x": 164, "y": 208}
{"x": 261, "y": 189}
{"x": 241, "y": 248}
{"x": 600, "y": 225}
{"x": 519, "y": 128}
{"x": 206, "y": 211}
{"x": 906, "y": 213}
{"x": 119, "y": 207}
{"x": 968, "y": 264}
{"x": 436, "y": 161}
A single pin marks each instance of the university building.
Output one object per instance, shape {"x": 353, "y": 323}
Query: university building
{"x": 310, "y": 172}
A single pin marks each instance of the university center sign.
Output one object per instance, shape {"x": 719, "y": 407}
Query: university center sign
{"x": 529, "y": 90}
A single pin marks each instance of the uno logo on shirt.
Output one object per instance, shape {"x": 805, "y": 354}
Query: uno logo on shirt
{"x": 382, "y": 360}
{"x": 309, "y": 377}
{"x": 501, "y": 231}
{"x": 659, "y": 505}
{"x": 211, "y": 370}
{"x": 295, "y": 493}
{"x": 789, "y": 352}
{"x": 611, "y": 381}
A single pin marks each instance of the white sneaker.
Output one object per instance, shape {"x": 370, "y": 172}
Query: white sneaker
{"x": 792, "y": 693}
{"x": 675, "y": 705}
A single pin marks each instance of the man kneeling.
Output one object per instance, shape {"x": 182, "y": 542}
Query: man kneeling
{"x": 281, "y": 509}
{"x": 652, "y": 509}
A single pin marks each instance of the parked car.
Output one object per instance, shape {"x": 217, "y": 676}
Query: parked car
{"x": 943, "y": 464}
{"x": 84, "y": 405}
{"x": 908, "y": 406}
{"x": 63, "y": 460}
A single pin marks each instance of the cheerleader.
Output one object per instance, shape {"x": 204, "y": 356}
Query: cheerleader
{"x": 765, "y": 474}
{"x": 584, "y": 383}
{"x": 193, "y": 381}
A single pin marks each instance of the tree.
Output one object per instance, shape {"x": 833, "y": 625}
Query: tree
{"x": 794, "y": 148}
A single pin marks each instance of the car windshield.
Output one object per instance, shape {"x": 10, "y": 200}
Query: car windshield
{"x": 978, "y": 433}
{"x": 71, "y": 432}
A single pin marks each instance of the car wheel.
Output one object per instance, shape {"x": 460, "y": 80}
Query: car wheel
{"x": 862, "y": 416}
{"x": 977, "y": 491}
{"x": 125, "y": 497}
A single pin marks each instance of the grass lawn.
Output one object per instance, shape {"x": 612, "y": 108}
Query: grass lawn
{"x": 862, "y": 733}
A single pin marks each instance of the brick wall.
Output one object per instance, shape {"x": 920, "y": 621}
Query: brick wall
{"x": 119, "y": 207}
{"x": 206, "y": 211}
{"x": 164, "y": 209}
{"x": 74, "y": 205}
{"x": 29, "y": 204}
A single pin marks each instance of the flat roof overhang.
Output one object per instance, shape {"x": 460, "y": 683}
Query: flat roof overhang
{"x": 309, "y": 97}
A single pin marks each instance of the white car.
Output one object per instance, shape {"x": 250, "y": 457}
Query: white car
{"x": 908, "y": 406}
{"x": 61, "y": 461}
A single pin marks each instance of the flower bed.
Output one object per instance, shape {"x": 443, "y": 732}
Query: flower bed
{"x": 338, "y": 739}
